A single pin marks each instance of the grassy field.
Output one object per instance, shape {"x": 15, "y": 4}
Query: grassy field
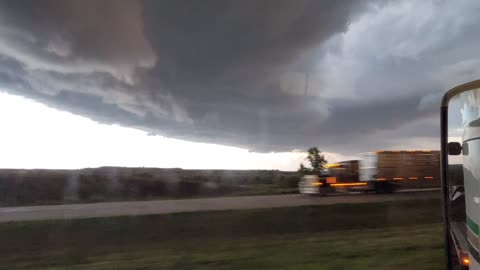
{"x": 382, "y": 236}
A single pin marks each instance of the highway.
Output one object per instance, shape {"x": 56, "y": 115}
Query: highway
{"x": 110, "y": 209}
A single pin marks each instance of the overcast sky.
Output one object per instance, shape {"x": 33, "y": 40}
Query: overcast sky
{"x": 267, "y": 76}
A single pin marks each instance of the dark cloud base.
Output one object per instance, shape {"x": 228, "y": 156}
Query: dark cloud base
{"x": 214, "y": 71}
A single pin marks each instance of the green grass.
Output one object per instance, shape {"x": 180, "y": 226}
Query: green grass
{"x": 392, "y": 235}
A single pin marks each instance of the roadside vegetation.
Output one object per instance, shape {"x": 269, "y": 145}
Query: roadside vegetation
{"x": 392, "y": 235}
{"x": 30, "y": 187}
{"x": 36, "y": 187}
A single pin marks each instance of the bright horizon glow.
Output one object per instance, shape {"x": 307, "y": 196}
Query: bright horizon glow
{"x": 35, "y": 136}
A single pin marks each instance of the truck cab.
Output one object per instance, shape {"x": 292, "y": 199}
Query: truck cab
{"x": 335, "y": 177}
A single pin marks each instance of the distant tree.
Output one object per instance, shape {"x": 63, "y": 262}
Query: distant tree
{"x": 317, "y": 161}
{"x": 303, "y": 170}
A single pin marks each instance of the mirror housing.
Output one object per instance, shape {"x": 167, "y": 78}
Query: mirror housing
{"x": 454, "y": 148}
{"x": 455, "y": 197}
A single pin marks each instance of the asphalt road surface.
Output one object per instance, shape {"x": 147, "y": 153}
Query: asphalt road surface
{"x": 110, "y": 209}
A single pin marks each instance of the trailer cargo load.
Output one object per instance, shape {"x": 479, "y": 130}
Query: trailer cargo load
{"x": 400, "y": 165}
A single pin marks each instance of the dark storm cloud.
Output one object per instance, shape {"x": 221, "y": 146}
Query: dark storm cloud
{"x": 266, "y": 75}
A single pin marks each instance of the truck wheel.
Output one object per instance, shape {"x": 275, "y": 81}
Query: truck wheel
{"x": 390, "y": 188}
{"x": 379, "y": 188}
{"x": 384, "y": 188}
{"x": 322, "y": 192}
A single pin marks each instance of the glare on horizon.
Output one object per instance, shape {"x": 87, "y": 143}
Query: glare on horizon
{"x": 37, "y": 136}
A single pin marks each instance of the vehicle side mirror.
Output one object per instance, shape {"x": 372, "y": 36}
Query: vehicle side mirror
{"x": 460, "y": 129}
{"x": 454, "y": 148}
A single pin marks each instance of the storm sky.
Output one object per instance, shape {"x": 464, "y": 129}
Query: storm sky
{"x": 270, "y": 75}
